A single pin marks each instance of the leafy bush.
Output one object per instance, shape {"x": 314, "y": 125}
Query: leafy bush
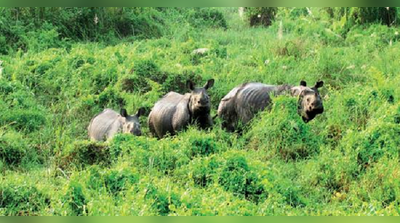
{"x": 22, "y": 200}
{"x": 133, "y": 83}
{"x": 202, "y": 146}
{"x": 114, "y": 180}
{"x": 282, "y": 132}
{"x": 161, "y": 200}
{"x": 202, "y": 171}
{"x": 177, "y": 82}
{"x": 207, "y": 17}
{"x": 14, "y": 150}
{"x": 41, "y": 28}
{"x": 110, "y": 98}
{"x": 81, "y": 153}
{"x": 118, "y": 180}
{"x": 376, "y": 141}
{"x": 261, "y": 15}
{"x": 75, "y": 199}
{"x": 104, "y": 80}
{"x": 237, "y": 177}
{"x": 363, "y": 15}
{"x": 379, "y": 186}
{"x": 29, "y": 120}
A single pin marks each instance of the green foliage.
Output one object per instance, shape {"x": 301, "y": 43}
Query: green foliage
{"x": 110, "y": 97}
{"x": 14, "y": 150}
{"x": 75, "y": 199}
{"x": 203, "y": 146}
{"x": 42, "y": 28}
{"x": 207, "y": 17}
{"x": 261, "y": 15}
{"x": 238, "y": 178}
{"x": 161, "y": 199}
{"x": 362, "y": 15}
{"x": 81, "y": 153}
{"x": 23, "y": 119}
{"x": 178, "y": 82}
{"x": 204, "y": 171}
{"x": 117, "y": 181}
{"x": 282, "y": 132}
{"x": 22, "y": 200}
{"x": 59, "y": 69}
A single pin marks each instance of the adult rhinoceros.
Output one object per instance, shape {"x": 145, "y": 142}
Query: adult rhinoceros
{"x": 244, "y": 101}
{"x": 175, "y": 111}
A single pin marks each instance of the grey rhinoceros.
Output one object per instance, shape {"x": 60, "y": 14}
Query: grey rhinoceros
{"x": 244, "y": 101}
{"x": 175, "y": 111}
{"x": 109, "y": 122}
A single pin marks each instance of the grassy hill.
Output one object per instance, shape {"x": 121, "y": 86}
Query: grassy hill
{"x": 52, "y": 82}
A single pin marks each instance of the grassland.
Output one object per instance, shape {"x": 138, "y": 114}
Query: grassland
{"x": 344, "y": 162}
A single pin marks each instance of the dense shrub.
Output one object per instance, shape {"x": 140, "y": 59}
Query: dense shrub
{"x": 22, "y": 200}
{"x": 110, "y": 98}
{"x": 118, "y": 180}
{"x": 42, "y": 28}
{"x": 161, "y": 199}
{"x": 81, "y": 153}
{"x": 204, "y": 171}
{"x": 207, "y": 17}
{"x": 202, "y": 146}
{"x": 363, "y": 15}
{"x": 14, "y": 150}
{"x": 114, "y": 180}
{"x": 100, "y": 81}
{"x": 261, "y": 15}
{"x": 239, "y": 178}
{"x": 29, "y": 120}
{"x": 282, "y": 132}
{"x": 178, "y": 82}
{"x": 378, "y": 186}
{"x": 133, "y": 83}
{"x": 75, "y": 199}
{"x": 148, "y": 69}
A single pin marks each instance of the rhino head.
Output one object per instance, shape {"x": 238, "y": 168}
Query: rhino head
{"x": 199, "y": 102}
{"x": 130, "y": 123}
{"x": 310, "y": 101}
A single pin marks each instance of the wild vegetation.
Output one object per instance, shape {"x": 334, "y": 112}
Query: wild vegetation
{"x": 59, "y": 67}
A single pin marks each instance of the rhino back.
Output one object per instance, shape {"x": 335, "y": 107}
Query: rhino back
{"x": 243, "y": 102}
{"x": 227, "y": 109}
{"x": 161, "y": 116}
{"x": 105, "y": 125}
{"x": 252, "y": 98}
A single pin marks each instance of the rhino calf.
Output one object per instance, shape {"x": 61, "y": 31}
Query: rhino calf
{"x": 109, "y": 122}
{"x": 175, "y": 111}
{"x": 244, "y": 101}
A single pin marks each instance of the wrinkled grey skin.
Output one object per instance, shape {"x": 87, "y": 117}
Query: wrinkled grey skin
{"x": 175, "y": 112}
{"x": 109, "y": 122}
{"x": 244, "y": 101}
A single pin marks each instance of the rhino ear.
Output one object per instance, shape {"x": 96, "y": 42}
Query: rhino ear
{"x": 190, "y": 85}
{"x": 319, "y": 84}
{"x": 140, "y": 112}
{"x": 124, "y": 113}
{"x": 209, "y": 84}
{"x": 303, "y": 83}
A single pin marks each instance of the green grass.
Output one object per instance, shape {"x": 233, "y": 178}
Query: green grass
{"x": 344, "y": 162}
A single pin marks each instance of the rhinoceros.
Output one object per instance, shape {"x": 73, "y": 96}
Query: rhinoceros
{"x": 175, "y": 111}
{"x": 109, "y": 122}
{"x": 244, "y": 101}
